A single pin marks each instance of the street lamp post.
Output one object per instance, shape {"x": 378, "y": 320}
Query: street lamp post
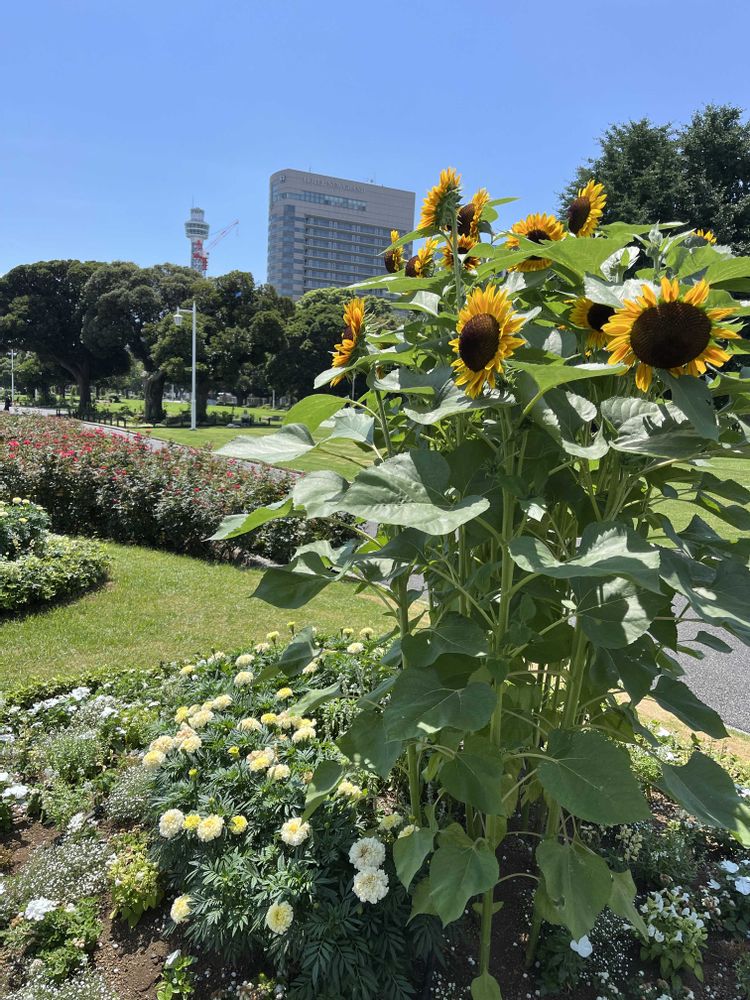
{"x": 12, "y": 378}
{"x": 178, "y": 322}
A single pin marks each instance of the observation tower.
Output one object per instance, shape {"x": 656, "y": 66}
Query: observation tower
{"x": 196, "y": 230}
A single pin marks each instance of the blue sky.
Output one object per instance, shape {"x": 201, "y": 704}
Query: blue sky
{"x": 116, "y": 114}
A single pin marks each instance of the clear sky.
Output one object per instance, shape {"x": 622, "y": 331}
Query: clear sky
{"x": 116, "y": 115}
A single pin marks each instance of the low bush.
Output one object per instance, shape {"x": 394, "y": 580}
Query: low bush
{"x": 92, "y": 482}
{"x": 58, "y": 568}
{"x": 23, "y": 526}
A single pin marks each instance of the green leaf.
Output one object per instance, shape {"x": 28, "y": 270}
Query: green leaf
{"x": 354, "y": 426}
{"x": 475, "y": 776}
{"x": 461, "y": 868}
{"x": 283, "y": 588}
{"x": 704, "y": 789}
{"x": 425, "y": 700}
{"x": 367, "y": 745}
{"x": 712, "y": 641}
{"x": 409, "y": 853}
{"x": 409, "y": 490}
{"x": 555, "y": 372}
{"x": 453, "y": 634}
{"x": 578, "y": 884}
{"x": 717, "y": 595}
{"x": 327, "y": 775}
{"x": 485, "y": 987}
{"x": 311, "y": 699}
{"x": 606, "y": 550}
{"x": 585, "y": 256}
{"x": 693, "y": 397}
{"x": 239, "y": 524}
{"x": 728, "y": 272}
{"x": 313, "y": 410}
{"x": 285, "y": 445}
{"x": 298, "y": 654}
{"x": 421, "y": 900}
{"x": 319, "y": 492}
{"x": 677, "y": 698}
{"x": 615, "y": 613}
{"x": 621, "y": 900}
{"x": 447, "y": 402}
{"x": 590, "y": 776}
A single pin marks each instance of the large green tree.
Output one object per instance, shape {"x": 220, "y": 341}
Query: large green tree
{"x": 699, "y": 174}
{"x": 43, "y": 308}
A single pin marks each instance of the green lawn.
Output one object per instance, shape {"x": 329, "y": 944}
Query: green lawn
{"x": 173, "y": 408}
{"x": 159, "y": 606}
{"x": 680, "y": 513}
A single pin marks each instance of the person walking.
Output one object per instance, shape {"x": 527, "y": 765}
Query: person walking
{"x": 7, "y": 404}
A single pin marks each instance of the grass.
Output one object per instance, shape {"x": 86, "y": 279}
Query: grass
{"x": 173, "y": 407}
{"x": 160, "y": 606}
{"x": 680, "y": 512}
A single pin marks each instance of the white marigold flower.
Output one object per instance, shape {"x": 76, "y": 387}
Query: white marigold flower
{"x": 279, "y": 917}
{"x": 162, "y": 743}
{"x": 210, "y": 828}
{"x": 310, "y": 668}
{"x": 300, "y": 723}
{"x": 191, "y": 743}
{"x": 201, "y": 719}
{"x": 261, "y": 760}
{"x": 391, "y": 821}
{"x": 355, "y": 648}
{"x": 370, "y": 885}
{"x": 278, "y": 772}
{"x": 366, "y": 633}
{"x": 304, "y": 734}
{"x": 294, "y": 832}
{"x": 181, "y": 714}
{"x": 408, "y": 830}
{"x": 244, "y": 661}
{"x": 180, "y": 910}
{"x": 171, "y": 823}
{"x": 244, "y": 678}
{"x": 285, "y": 720}
{"x": 272, "y": 636}
{"x": 188, "y": 669}
{"x": 347, "y": 632}
{"x": 284, "y": 693}
{"x": 153, "y": 759}
{"x": 350, "y": 790}
{"x": 222, "y": 702}
{"x": 367, "y": 853}
{"x": 262, "y": 647}
{"x": 250, "y": 725}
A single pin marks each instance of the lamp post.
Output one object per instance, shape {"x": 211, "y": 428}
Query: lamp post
{"x": 178, "y": 322}
{"x": 12, "y": 378}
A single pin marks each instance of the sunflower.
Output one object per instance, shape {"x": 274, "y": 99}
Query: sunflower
{"x": 354, "y": 318}
{"x": 591, "y": 316}
{"x": 465, "y": 243}
{"x": 470, "y": 215}
{"x": 705, "y": 234}
{"x": 394, "y": 259}
{"x": 537, "y": 228}
{"x": 585, "y": 211}
{"x": 674, "y": 332}
{"x": 421, "y": 262}
{"x": 486, "y": 325}
{"x": 441, "y": 201}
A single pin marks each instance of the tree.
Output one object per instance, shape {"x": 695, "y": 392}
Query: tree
{"x": 699, "y": 175}
{"x": 43, "y": 309}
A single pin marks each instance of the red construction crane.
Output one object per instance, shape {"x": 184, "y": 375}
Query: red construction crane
{"x": 200, "y": 252}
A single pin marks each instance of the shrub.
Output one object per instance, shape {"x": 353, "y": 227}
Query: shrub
{"x": 23, "y": 525}
{"x": 133, "y": 879}
{"x": 86, "y": 985}
{"x": 676, "y": 933}
{"x": 130, "y": 795}
{"x": 62, "y": 568}
{"x": 61, "y": 937}
{"x": 107, "y": 484}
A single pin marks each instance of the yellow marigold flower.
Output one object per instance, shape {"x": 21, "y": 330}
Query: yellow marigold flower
{"x": 182, "y": 713}
{"x": 268, "y": 718}
{"x": 394, "y": 259}
{"x": 291, "y": 626}
{"x": 237, "y": 825}
{"x": 261, "y": 760}
{"x": 347, "y": 789}
{"x": 188, "y": 669}
{"x": 366, "y": 633}
{"x": 303, "y": 734}
{"x": 192, "y": 821}
{"x": 420, "y": 265}
{"x": 193, "y": 773}
{"x": 486, "y": 328}
{"x": 538, "y": 228}
{"x": 210, "y": 828}
{"x": 706, "y": 234}
{"x": 153, "y": 759}
{"x": 391, "y": 821}
{"x": 273, "y": 636}
{"x": 408, "y": 831}
{"x": 672, "y": 331}
{"x": 591, "y": 316}
{"x": 586, "y": 210}
{"x": 441, "y": 201}
{"x": 354, "y": 319}
{"x": 180, "y": 910}
{"x": 244, "y": 661}
{"x": 234, "y": 751}
{"x": 283, "y": 693}
{"x": 347, "y": 632}
{"x": 279, "y": 917}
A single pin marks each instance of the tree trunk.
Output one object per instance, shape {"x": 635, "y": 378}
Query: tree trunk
{"x": 201, "y": 396}
{"x": 83, "y": 382}
{"x": 153, "y": 387}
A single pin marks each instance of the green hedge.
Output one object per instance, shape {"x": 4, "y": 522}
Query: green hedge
{"x": 65, "y": 567}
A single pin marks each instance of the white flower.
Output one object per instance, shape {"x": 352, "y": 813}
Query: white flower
{"x": 729, "y": 866}
{"x": 16, "y": 792}
{"x": 279, "y": 917}
{"x": 366, "y": 633}
{"x": 277, "y": 772}
{"x": 162, "y": 743}
{"x": 76, "y": 822}
{"x": 261, "y": 760}
{"x": 742, "y": 885}
{"x": 713, "y": 884}
{"x": 201, "y": 718}
{"x": 180, "y": 910}
{"x": 408, "y": 830}
{"x": 367, "y": 853}
{"x": 303, "y": 734}
{"x": 244, "y": 661}
{"x": 210, "y": 828}
{"x": 153, "y": 759}
{"x": 262, "y": 647}
{"x": 223, "y": 701}
{"x": 249, "y": 725}
{"x": 350, "y": 790}
{"x": 582, "y": 947}
{"x": 79, "y": 693}
{"x": 37, "y": 909}
{"x": 171, "y": 823}
{"x": 244, "y": 678}
{"x": 391, "y": 821}
{"x": 294, "y": 832}
{"x": 370, "y": 885}
{"x": 355, "y": 648}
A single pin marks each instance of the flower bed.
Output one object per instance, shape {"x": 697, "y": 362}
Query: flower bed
{"x": 91, "y": 482}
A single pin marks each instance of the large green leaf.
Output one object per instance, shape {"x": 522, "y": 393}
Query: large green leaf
{"x": 621, "y": 900}
{"x": 239, "y": 524}
{"x": 295, "y": 657}
{"x": 717, "y": 595}
{"x": 367, "y": 744}
{"x": 447, "y": 401}
{"x": 606, "y": 550}
{"x": 461, "y": 868}
{"x": 485, "y": 987}
{"x": 693, "y": 397}
{"x": 313, "y": 410}
{"x": 578, "y": 884}
{"x": 555, "y": 372}
{"x": 677, "y": 698}
{"x": 705, "y": 790}
{"x": 327, "y": 775}
{"x": 586, "y": 256}
{"x": 590, "y": 776}
{"x": 354, "y": 426}
{"x": 424, "y": 700}
{"x": 454, "y": 633}
{"x": 311, "y": 699}
{"x": 728, "y": 273}
{"x": 285, "y": 445}
{"x": 409, "y": 853}
{"x": 615, "y": 613}
{"x": 475, "y": 776}
{"x": 319, "y": 492}
{"x": 409, "y": 490}
{"x": 284, "y": 588}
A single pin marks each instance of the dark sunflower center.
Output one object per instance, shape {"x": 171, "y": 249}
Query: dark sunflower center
{"x": 392, "y": 260}
{"x": 598, "y": 315}
{"x": 348, "y": 334}
{"x": 578, "y": 213}
{"x": 670, "y": 334}
{"x": 412, "y": 269}
{"x": 465, "y": 219}
{"x": 537, "y": 235}
{"x": 478, "y": 341}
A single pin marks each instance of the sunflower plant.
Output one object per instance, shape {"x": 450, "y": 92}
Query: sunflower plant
{"x": 551, "y": 389}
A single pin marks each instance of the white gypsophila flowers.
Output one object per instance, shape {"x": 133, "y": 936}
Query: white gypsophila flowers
{"x": 367, "y": 853}
{"x": 37, "y": 909}
{"x": 180, "y": 909}
{"x": 355, "y": 648}
{"x": 244, "y": 660}
{"x": 244, "y": 678}
{"x": 294, "y": 832}
{"x": 279, "y": 917}
{"x": 171, "y": 823}
{"x": 210, "y": 828}
{"x": 370, "y": 885}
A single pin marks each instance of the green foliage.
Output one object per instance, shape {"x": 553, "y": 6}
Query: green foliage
{"x": 176, "y": 979}
{"x": 23, "y": 526}
{"x": 133, "y": 879}
{"x": 62, "y": 939}
{"x": 742, "y": 973}
{"x": 676, "y": 933}
{"x": 58, "y": 567}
